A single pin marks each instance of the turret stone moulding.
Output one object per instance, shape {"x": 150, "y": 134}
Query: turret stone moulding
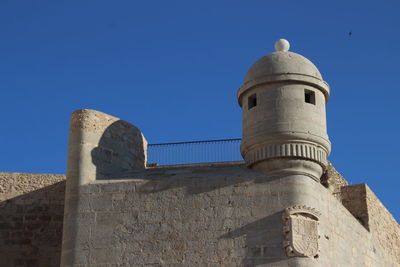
{"x": 283, "y": 100}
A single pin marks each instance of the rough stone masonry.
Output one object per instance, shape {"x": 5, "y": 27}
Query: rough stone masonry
{"x": 285, "y": 205}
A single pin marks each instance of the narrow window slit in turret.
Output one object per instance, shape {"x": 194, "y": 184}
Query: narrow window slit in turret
{"x": 309, "y": 96}
{"x": 252, "y": 101}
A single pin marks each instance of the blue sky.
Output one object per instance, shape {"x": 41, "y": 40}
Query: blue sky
{"x": 172, "y": 68}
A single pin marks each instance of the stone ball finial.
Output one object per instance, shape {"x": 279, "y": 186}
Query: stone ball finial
{"x": 282, "y": 45}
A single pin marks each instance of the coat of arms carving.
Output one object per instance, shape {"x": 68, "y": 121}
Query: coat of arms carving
{"x": 301, "y": 231}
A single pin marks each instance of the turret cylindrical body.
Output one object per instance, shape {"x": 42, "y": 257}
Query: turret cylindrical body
{"x": 283, "y": 100}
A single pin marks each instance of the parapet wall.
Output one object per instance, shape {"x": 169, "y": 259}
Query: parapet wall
{"x": 118, "y": 213}
{"x": 370, "y": 212}
{"x": 101, "y": 145}
{"x": 31, "y": 219}
{"x": 363, "y": 204}
{"x": 221, "y": 215}
{"x": 205, "y": 216}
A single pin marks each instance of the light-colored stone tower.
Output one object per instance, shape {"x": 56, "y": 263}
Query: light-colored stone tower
{"x": 283, "y": 100}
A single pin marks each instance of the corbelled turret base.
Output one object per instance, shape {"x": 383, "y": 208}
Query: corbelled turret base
{"x": 290, "y": 166}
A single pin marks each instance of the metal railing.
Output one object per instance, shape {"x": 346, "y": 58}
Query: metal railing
{"x": 194, "y": 152}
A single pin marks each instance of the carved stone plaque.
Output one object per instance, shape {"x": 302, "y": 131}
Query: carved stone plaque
{"x": 301, "y": 231}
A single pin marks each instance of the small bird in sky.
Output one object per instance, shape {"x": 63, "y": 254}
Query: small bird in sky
{"x": 350, "y": 33}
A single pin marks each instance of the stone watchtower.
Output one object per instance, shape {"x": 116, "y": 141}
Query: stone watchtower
{"x": 119, "y": 211}
{"x": 283, "y": 100}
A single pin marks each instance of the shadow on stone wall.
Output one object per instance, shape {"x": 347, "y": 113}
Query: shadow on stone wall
{"x": 120, "y": 149}
{"x": 264, "y": 238}
{"x": 263, "y": 242}
{"x": 192, "y": 185}
{"x": 31, "y": 228}
{"x": 196, "y": 184}
{"x": 119, "y": 152}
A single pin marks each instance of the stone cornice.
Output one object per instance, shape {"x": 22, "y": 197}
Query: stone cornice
{"x": 293, "y": 150}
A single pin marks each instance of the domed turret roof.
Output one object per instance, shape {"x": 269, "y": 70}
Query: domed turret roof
{"x": 281, "y": 66}
{"x": 282, "y": 62}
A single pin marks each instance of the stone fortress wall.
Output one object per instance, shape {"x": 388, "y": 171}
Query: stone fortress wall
{"x": 225, "y": 215}
{"x": 216, "y": 215}
{"x": 285, "y": 206}
{"x": 222, "y": 215}
{"x": 31, "y": 219}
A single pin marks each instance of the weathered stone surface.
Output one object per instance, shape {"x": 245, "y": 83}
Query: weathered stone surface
{"x": 283, "y": 100}
{"x": 31, "y": 219}
{"x": 226, "y": 216}
{"x": 101, "y": 145}
{"x": 301, "y": 231}
{"x": 333, "y": 180}
{"x": 370, "y": 212}
{"x": 118, "y": 213}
